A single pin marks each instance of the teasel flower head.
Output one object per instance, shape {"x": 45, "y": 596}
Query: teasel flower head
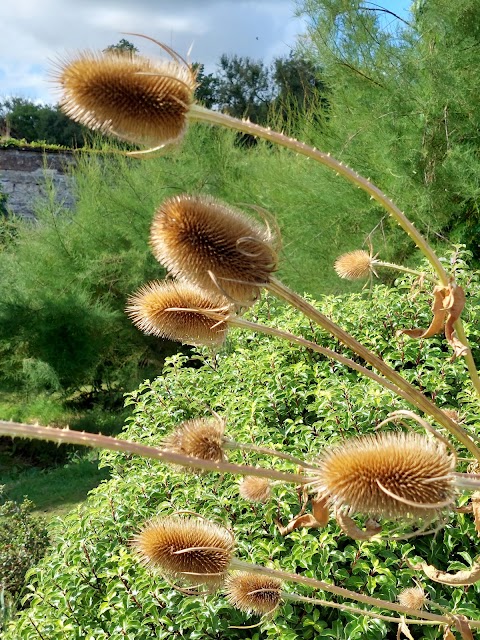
{"x": 354, "y": 265}
{"x": 255, "y": 489}
{"x": 186, "y": 548}
{"x": 413, "y": 597}
{"x": 213, "y": 245}
{"x": 199, "y": 438}
{"x": 392, "y": 475}
{"x": 126, "y": 95}
{"x": 180, "y": 311}
{"x": 251, "y": 592}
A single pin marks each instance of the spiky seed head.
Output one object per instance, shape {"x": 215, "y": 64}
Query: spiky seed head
{"x": 195, "y": 236}
{"x": 412, "y": 466}
{"x": 251, "y": 592}
{"x": 127, "y": 95}
{"x": 176, "y": 311}
{"x": 255, "y": 489}
{"x": 354, "y": 265}
{"x": 413, "y": 597}
{"x": 186, "y": 548}
{"x": 199, "y": 438}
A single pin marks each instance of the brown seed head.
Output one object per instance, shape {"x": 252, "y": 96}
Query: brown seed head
{"x": 194, "y": 235}
{"x": 200, "y": 438}
{"x": 253, "y": 592}
{"x": 354, "y": 265}
{"x": 179, "y": 547}
{"x": 413, "y": 597}
{"x": 414, "y": 468}
{"x": 255, "y": 489}
{"x": 126, "y": 95}
{"x": 152, "y": 310}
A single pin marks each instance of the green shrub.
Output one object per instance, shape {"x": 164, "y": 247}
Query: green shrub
{"x": 23, "y": 541}
{"x": 92, "y": 587}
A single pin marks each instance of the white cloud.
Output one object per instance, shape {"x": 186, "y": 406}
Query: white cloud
{"x": 35, "y": 32}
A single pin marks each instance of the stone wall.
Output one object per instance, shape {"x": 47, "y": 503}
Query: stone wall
{"x": 26, "y": 175}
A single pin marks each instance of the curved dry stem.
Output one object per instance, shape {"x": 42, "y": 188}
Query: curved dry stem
{"x": 403, "y": 413}
{"x": 201, "y": 114}
{"x": 409, "y": 392}
{"x": 399, "y": 267}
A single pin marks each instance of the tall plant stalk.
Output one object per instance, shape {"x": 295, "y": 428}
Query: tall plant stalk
{"x": 201, "y": 114}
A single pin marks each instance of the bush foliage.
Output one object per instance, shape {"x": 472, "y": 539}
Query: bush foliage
{"x": 92, "y": 587}
{"x": 23, "y": 542}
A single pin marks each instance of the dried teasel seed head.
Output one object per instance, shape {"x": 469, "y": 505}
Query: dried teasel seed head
{"x": 213, "y": 245}
{"x": 177, "y": 311}
{"x": 199, "y": 438}
{"x": 127, "y": 95}
{"x": 413, "y": 597}
{"x": 251, "y": 592}
{"x": 255, "y": 489}
{"x": 354, "y": 265}
{"x": 388, "y": 474}
{"x": 193, "y": 550}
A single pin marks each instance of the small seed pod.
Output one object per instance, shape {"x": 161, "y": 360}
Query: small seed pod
{"x": 195, "y": 551}
{"x": 255, "y": 489}
{"x": 199, "y": 438}
{"x": 127, "y": 95}
{"x": 214, "y": 246}
{"x": 175, "y": 311}
{"x": 251, "y": 592}
{"x": 392, "y": 475}
{"x": 354, "y": 265}
{"x": 413, "y": 597}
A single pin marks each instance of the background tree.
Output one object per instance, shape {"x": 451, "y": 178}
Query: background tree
{"x": 244, "y": 88}
{"x": 207, "y": 88}
{"x": 403, "y": 104}
{"x": 122, "y": 45}
{"x": 22, "y": 119}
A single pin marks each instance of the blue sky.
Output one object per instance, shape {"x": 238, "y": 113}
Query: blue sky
{"x": 35, "y": 32}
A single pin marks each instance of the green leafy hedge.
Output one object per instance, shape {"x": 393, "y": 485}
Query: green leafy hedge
{"x": 91, "y": 587}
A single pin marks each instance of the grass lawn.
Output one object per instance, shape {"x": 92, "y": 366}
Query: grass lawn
{"x": 55, "y": 482}
{"x": 55, "y": 491}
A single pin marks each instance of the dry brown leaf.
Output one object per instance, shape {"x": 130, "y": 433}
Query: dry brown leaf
{"x": 466, "y": 577}
{"x": 300, "y": 522}
{"x": 448, "y": 304}
{"x": 463, "y": 627}
{"x": 448, "y": 635}
{"x": 454, "y": 304}
{"x": 349, "y": 526}
{"x": 476, "y": 510}
{"x": 403, "y": 628}
{"x": 439, "y": 315}
{"x": 320, "y": 511}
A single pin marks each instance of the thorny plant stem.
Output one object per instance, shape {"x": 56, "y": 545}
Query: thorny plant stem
{"x": 415, "y": 397}
{"x": 293, "y": 597}
{"x": 399, "y": 267}
{"x": 344, "y": 593}
{"x": 201, "y": 114}
{"x": 62, "y": 436}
